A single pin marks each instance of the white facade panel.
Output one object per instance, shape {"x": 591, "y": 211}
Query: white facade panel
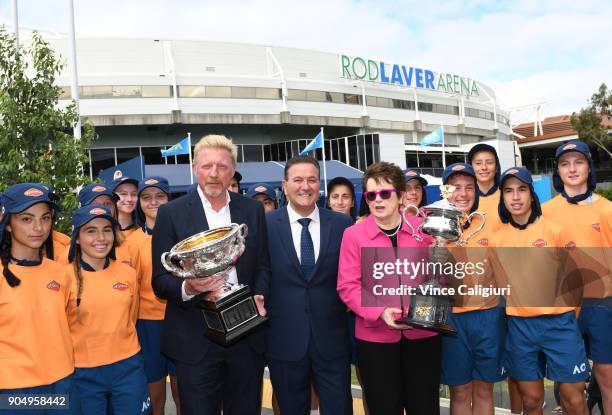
{"x": 392, "y": 149}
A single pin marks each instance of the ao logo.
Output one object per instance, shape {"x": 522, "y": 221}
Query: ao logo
{"x": 581, "y": 369}
{"x": 146, "y": 405}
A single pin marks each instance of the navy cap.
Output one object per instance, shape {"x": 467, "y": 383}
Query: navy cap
{"x": 93, "y": 190}
{"x": 579, "y": 147}
{"x": 458, "y": 168}
{"x": 118, "y": 181}
{"x": 154, "y": 181}
{"x": 22, "y": 196}
{"x": 467, "y": 170}
{"x": 411, "y": 174}
{"x": 84, "y": 215}
{"x": 261, "y": 189}
{"x": 524, "y": 176}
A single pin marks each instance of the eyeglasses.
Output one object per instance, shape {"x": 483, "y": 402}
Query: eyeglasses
{"x": 384, "y": 194}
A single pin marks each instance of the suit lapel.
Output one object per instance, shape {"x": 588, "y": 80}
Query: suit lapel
{"x": 325, "y": 229}
{"x": 284, "y": 229}
{"x": 236, "y": 217}
{"x": 195, "y": 214}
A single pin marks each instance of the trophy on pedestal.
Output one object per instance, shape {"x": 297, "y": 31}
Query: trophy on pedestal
{"x": 230, "y": 312}
{"x": 444, "y": 222}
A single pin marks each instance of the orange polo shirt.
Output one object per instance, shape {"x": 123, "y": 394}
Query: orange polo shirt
{"x": 489, "y": 206}
{"x": 105, "y": 330}
{"x": 35, "y": 343}
{"x": 584, "y": 221}
{"x": 61, "y": 238}
{"x": 128, "y": 232}
{"x": 523, "y": 273}
{"x": 475, "y": 252}
{"x": 151, "y": 307}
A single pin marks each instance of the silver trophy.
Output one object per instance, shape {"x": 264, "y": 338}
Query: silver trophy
{"x": 444, "y": 222}
{"x": 230, "y": 312}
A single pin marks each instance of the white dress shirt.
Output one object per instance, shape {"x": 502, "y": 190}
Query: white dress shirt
{"x": 216, "y": 219}
{"x": 314, "y": 227}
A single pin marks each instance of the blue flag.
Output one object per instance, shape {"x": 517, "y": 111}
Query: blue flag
{"x": 435, "y": 136}
{"x": 316, "y": 142}
{"x": 182, "y": 147}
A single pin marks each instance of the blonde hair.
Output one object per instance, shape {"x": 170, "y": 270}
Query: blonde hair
{"x": 216, "y": 141}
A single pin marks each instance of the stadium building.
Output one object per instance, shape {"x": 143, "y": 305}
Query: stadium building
{"x": 144, "y": 95}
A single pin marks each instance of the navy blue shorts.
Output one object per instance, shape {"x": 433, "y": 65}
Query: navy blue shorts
{"x": 595, "y": 323}
{"x": 65, "y": 386}
{"x": 549, "y": 345}
{"x": 120, "y": 387}
{"x": 156, "y": 365}
{"x": 476, "y": 351}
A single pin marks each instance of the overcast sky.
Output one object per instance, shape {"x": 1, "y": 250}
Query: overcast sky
{"x": 528, "y": 51}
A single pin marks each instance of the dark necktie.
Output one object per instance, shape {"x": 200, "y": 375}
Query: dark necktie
{"x": 307, "y": 260}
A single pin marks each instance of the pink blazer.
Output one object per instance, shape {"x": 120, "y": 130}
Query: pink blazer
{"x": 366, "y": 234}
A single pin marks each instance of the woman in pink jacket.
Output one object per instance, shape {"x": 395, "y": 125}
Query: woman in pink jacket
{"x": 400, "y": 365}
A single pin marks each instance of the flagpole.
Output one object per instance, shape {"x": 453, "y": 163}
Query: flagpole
{"x": 443, "y": 149}
{"x": 324, "y": 167}
{"x": 190, "y": 159}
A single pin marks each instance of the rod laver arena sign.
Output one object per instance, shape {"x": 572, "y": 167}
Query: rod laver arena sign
{"x": 355, "y": 67}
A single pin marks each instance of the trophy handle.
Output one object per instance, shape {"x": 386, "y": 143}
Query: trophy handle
{"x": 415, "y": 233}
{"x": 167, "y": 259}
{"x": 464, "y": 241}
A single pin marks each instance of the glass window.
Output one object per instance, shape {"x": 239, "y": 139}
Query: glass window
{"x": 191, "y": 91}
{"x": 152, "y": 155}
{"x": 282, "y": 154}
{"x": 288, "y": 149}
{"x": 334, "y": 97}
{"x": 243, "y": 92}
{"x": 129, "y": 91}
{"x": 369, "y": 148}
{"x": 102, "y": 158}
{"x": 352, "y": 99}
{"x": 267, "y": 152}
{"x": 342, "y": 148}
{"x": 335, "y": 153}
{"x": 96, "y": 92}
{"x": 218, "y": 92}
{"x": 376, "y": 147}
{"x": 252, "y": 153}
{"x": 412, "y": 160}
{"x": 352, "y": 145}
{"x": 239, "y": 157}
{"x": 370, "y": 101}
{"x": 328, "y": 150}
{"x": 361, "y": 147}
{"x": 316, "y": 96}
{"x": 295, "y": 148}
{"x": 156, "y": 91}
{"x": 384, "y": 102}
{"x": 127, "y": 153}
{"x": 425, "y": 106}
{"x": 296, "y": 94}
{"x": 274, "y": 152}
{"x": 182, "y": 159}
{"x": 267, "y": 93}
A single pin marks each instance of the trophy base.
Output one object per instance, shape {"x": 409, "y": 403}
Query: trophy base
{"x": 231, "y": 317}
{"x": 439, "y": 327}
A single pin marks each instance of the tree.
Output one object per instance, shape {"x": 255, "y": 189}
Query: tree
{"x": 589, "y": 122}
{"x": 36, "y": 141}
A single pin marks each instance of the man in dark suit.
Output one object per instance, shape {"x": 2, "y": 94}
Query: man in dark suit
{"x": 307, "y": 336}
{"x": 211, "y": 376}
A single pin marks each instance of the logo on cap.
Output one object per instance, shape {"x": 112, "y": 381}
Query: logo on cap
{"x": 33, "y": 192}
{"x": 260, "y": 189}
{"x": 54, "y": 286}
{"x": 151, "y": 182}
{"x": 120, "y": 286}
{"x": 459, "y": 167}
{"x": 569, "y": 147}
{"x": 570, "y": 245}
{"x": 97, "y": 211}
{"x": 98, "y": 189}
{"x": 596, "y": 227}
{"x": 512, "y": 171}
{"x": 413, "y": 173}
{"x": 539, "y": 243}
{"x": 483, "y": 242}
{"x": 117, "y": 175}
